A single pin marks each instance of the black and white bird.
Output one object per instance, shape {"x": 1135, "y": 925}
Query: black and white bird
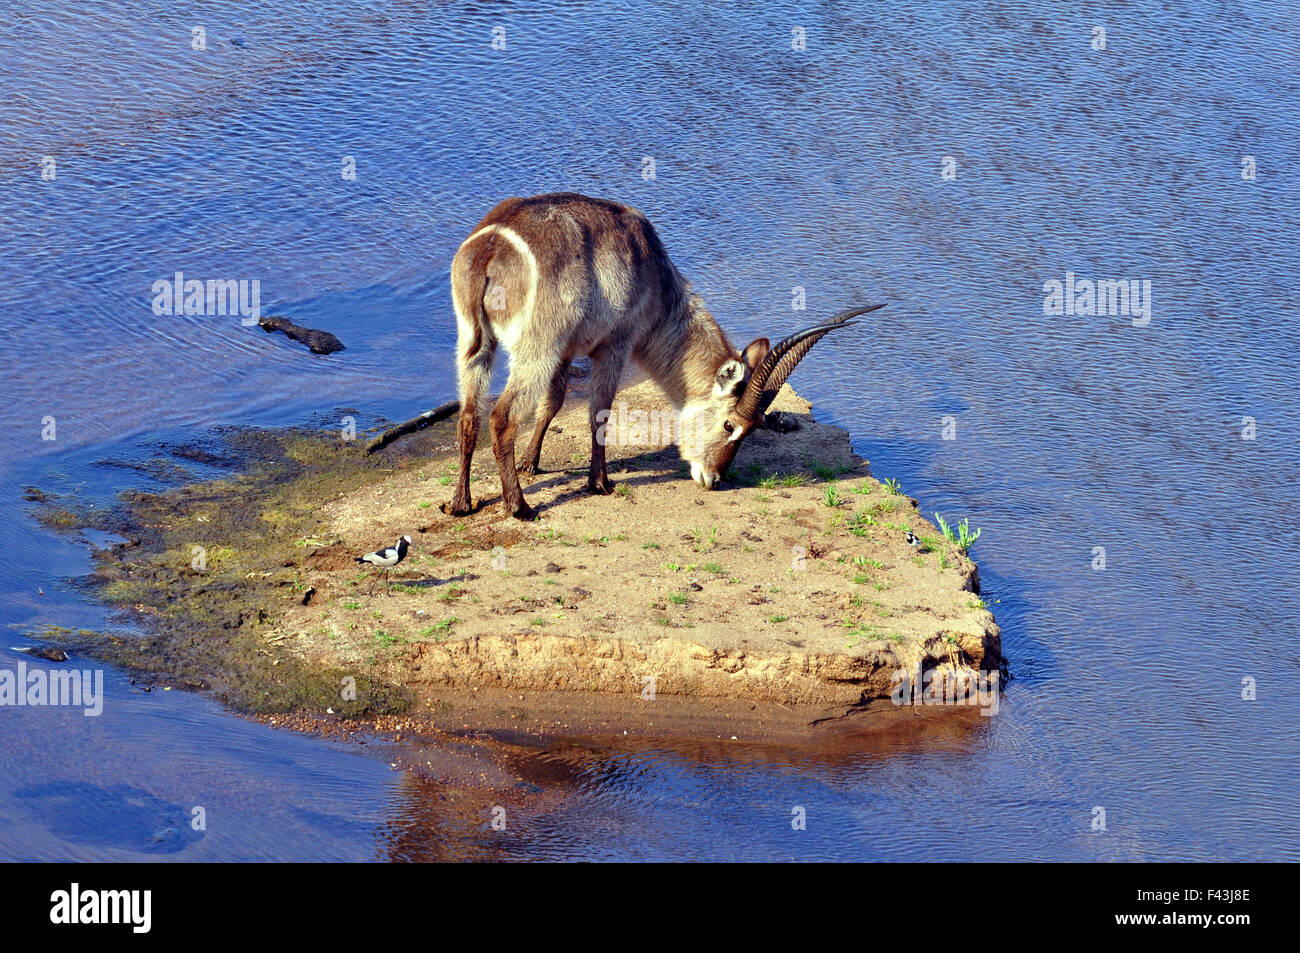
{"x": 388, "y": 557}
{"x": 913, "y": 540}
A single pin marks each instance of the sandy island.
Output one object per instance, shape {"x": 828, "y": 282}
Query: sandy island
{"x": 787, "y": 599}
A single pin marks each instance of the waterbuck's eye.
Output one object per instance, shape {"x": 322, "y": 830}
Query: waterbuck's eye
{"x": 726, "y": 425}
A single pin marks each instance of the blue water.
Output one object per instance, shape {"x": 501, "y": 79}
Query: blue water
{"x": 773, "y": 168}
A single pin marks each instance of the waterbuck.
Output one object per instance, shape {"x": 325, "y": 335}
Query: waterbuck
{"x": 554, "y": 277}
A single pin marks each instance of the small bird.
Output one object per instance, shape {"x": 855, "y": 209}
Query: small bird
{"x": 913, "y": 540}
{"x": 387, "y": 558}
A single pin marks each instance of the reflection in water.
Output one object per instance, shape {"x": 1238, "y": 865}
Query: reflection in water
{"x": 589, "y": 797}
{"x": 775, "y": 169}
{"x": 434, "y": 823}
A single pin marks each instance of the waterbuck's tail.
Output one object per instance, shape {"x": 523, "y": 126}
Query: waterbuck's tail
{"x": 475, "y": 338}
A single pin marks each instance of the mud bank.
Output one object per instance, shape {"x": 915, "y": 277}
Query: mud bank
{"x": 788, "y": 598}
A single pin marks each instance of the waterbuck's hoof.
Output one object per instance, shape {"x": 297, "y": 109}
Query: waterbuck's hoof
{"x": 529, "y": 469}
{"x": 524, "y": 512}
{"x": 458, "y": 508}
{"x": 603, "y": 486}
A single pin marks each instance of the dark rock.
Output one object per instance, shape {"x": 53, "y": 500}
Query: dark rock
{"x": 781, "y": 422}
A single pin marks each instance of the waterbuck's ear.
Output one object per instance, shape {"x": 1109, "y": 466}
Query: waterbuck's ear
{"x": 755, "y": 353}
{"x": 731, "y": 376}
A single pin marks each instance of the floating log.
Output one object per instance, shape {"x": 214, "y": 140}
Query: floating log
{"x": 320, "y": 342}
{"x": 414, "y": 424}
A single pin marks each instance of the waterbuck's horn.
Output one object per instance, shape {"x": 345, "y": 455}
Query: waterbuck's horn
{"x": 781, "y": 360}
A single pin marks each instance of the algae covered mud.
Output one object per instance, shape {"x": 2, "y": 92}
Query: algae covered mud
{"x": 787, "y": 601}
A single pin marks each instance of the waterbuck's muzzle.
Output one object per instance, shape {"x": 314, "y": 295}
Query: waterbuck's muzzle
{"x": 709, "y": 472}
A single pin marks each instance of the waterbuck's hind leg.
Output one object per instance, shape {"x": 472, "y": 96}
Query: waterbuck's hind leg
{"x": 474, "y": 353}
{"x": 475, "y": 381}
{"x": 606, "y": 371}
{"x": 505, "y": 424}
{"x": 468, "y": 433}
{"x": 546, "y": 412}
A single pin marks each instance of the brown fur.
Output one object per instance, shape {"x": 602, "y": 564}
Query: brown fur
{"x": 604, "y": 287}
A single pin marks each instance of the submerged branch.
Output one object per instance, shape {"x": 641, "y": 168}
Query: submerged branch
{"x": 414, "y": 424}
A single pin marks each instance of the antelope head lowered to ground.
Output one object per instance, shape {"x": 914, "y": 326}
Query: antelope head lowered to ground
{"x": 555, "y": 277}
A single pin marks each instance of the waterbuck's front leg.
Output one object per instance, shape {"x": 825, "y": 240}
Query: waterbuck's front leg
{"x": 550, "y": 406}
{"x": 606, "y": 371}
{"x": 504, "y": 422}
